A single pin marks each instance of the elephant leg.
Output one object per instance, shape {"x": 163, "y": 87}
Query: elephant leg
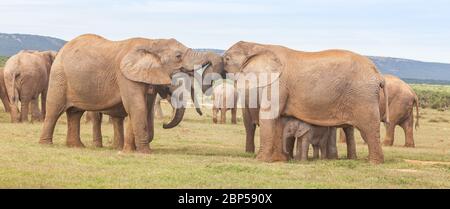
{"x": 408, "y": 128}
{"x": 271, "y": 145}
{"x": 150, "y": 116}
{"x": 350, "y": 141}
{"x": 25, "y": 104}
{"x": 271, "y": 126}
{"x": 290, "y": 143}
{"x": 96, "y": 118}
{"x": 250, "y": 128}
{"x": 305, "y": 149}
{"x": 44, "y": 103}
{"x": 54, "y": 107}
{"x": 342, "y": 138}
{"x": 223, "y": 115}
{"x": 316, "y": 151}
{"x": 390, "y": 132}
{"x": 35, "y": 112}
{"x": 215, "y": 112}
{"x": 332, "y": 152}
{"x": 14, "y": 111}
{"x": 118, "y": 142}
{"x": 371, "y": 134}
{"x": 323, "y": 152}
{"x": 136, "y": 103}
{"x": 298, "y": 146}
{"x": 73, "y": 127}
{"x": 233, "y": 115}
{"x": 158, "y": 111}
{"x": 129, "y": 144}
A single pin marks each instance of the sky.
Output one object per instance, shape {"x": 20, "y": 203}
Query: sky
{"x": 414, "y": 29}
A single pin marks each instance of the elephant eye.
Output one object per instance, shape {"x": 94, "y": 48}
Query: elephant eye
{"x": 179, "y": 56}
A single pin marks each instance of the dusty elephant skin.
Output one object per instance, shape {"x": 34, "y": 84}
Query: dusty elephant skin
{"x": 322, "y": 139}
{"x": 118, "y": 121}
{"x": 3, "y": 94}
{"x": 26, "y": 77}
{"x": 116, "y": 77}
{"x": 402, "y": 100}
{"x": 224, "y": 97}
{"x": 329, "y": 88}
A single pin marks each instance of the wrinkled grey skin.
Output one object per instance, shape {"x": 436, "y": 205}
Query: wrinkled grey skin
{"x": 322, "y": 139}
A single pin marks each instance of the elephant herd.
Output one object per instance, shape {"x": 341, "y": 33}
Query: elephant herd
{"x": 296, "y": 96}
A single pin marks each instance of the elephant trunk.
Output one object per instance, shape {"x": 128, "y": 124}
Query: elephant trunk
{"x": 177, "y": 117}
{"x": 194, "y": 100}
{"x": 213, "y": 72}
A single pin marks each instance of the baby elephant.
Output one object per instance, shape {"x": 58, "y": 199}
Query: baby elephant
{"x": 321, "y": 138}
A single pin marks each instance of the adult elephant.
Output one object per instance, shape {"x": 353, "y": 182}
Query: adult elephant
{"x": 402, "y": 100}
{"x": 328, "y": 88}
{"x": 26, "y": 77}
{"x": 95, "y": 74}
{"x": 3, "y": 94}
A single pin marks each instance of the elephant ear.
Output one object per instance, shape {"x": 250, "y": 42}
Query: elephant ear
{"x": 144, "y": 65}
{"x": 263, "y": 64}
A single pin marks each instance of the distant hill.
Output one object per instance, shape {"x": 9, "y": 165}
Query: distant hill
{"x": 414, "y": 71}
{"x": 10, "y": 44}
{"x": 410, "y": 70}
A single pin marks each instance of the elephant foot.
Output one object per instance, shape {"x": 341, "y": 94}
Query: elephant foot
{"x": 46, "y": 141}
{"x": 410, "y": 145}
{"x": 75, "y": 144}
{"x": 272, "y": 157}
{"x": 279, "y": 157}
{"x": 98, "y": 144}
{"x": 249, "y": 150}
{"x": 144, "y": 149}
{"x": 129, "y": 148}
{"x": 37, "y": 119}
{"x": 117, "y": 147}
{"x": 265, "y": 157}
{"x": 388, "y": 143}
{"x": 352, "y": 156}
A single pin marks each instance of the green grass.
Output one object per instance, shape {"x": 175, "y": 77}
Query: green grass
{"x": 199, "y": 154}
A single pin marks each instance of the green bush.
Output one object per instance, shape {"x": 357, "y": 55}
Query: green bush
{"x": 433, "y": 96}
{"x": 3, "y": 60}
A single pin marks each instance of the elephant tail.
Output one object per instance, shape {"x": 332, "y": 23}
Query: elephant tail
{"x": 386, "y": 99}
{"x": 11, "y": 90}
{"x": 417, "y": 104}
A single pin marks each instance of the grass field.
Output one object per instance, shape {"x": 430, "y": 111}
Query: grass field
{"x": 198, "y": 154}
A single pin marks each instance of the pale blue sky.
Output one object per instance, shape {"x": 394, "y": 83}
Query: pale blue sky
{"x": 416, "y": 29}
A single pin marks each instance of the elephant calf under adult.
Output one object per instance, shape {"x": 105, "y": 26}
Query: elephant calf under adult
{"x": 224, "y": 97}
{"x": 26, "y": 77}
{"x": 330, "y": 88}
{"x": 321, "y": 138}
{"x": 116, "y": 77}
{"x": 402, "y": 100}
